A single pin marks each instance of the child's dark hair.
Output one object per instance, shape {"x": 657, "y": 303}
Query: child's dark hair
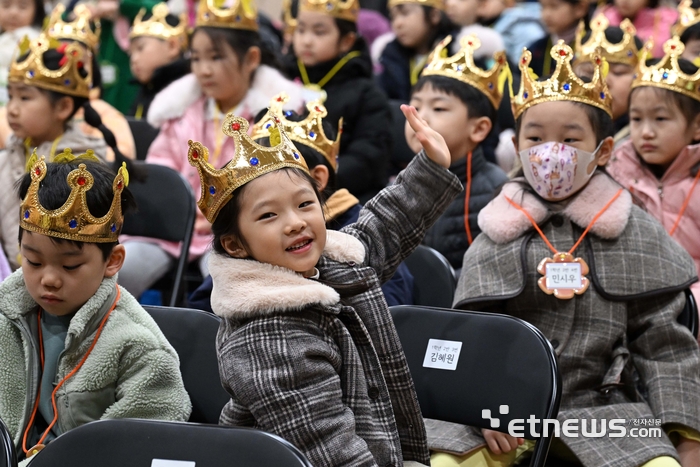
{"x": 444, "y": 27}
{"x": 614, "y": 35}
{"x": 39, "y": 14}
{"x": 54, "y": 191}
{"x": 689, "y": 107}
{"x": 226, "y": 222}
{"x": 240, "y": 41}
{"x": 478, "y": 105}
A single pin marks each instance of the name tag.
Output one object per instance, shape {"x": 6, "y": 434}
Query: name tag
{"x": 442, "y": 355}
{"x": 563, "y": 275}
{"x": 171, "y": 463}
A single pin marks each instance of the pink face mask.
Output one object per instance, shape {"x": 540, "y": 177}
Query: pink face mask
{"x": 557, "y": 170}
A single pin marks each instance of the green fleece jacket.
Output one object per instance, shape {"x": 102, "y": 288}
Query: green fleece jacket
{"x": 132, "y": 372}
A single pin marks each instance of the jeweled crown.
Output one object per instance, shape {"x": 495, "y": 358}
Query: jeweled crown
{"x": 461, "y": 67}
{"x": 28, "y": 66}
{"x": 249, "y": 162}
{"x": 341, "y": 9}
{"x": 439, "y": 4}
{"x": 240, "y": 14}
{"x": 625, "y": 51}
{"x": 73, "y": 220}
{"x": 81, "y": 29}
{"x": 563, "y": 85}
{"x": 308, "y": 132}
{"x": 667, "y": 73}
{"x": 157, "y": 26}
{"x": 290, "y": 22}
{"x": 687, "y": 17}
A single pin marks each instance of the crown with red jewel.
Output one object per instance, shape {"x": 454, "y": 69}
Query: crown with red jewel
{"x": 563, "y": 85}
{"x": 81, "y": 29}
{"x": 625, "y": 51}
{"x": 73, "y": 220}
{"x": 28, "y": 66}
{"x": 249, "y": 162}
{"x": 667, "y": 73}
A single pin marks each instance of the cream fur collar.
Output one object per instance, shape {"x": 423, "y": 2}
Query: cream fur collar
{"x": 246, "y": 288}
{"x": 503, "y": 223}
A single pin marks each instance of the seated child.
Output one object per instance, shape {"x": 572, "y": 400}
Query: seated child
{"x": 418, "y": 27}
{"x": 688, "y": 28}
{"x": 463, "y": 13}
{"x": 620, "y": 48}
{"x": 615, "y": 318}
{"x": 48, "y": 82}
{"x": 329, "y": 56}
{"x": 659, "y": 164}
{"x": 75, "y": 346}
{"x": 231, "y": 70}
{"x": 307, "y": 347}
{"x": 461, "y": 104}
{"x": 156, "y": 48}
{"x": 517, "y": 22}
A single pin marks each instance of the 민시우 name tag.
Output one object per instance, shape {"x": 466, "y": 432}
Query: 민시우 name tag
{"x": 563, "y": 276}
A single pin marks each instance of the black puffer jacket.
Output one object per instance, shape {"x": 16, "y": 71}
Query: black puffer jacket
{"x": 448, "y": 235}
{"x": 162, "y": 77}
{"x": 365, "y": 146}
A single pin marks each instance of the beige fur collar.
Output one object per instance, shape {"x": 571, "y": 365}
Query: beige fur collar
{"x": 504, "y": 223}
{"x": 245, "y": 288}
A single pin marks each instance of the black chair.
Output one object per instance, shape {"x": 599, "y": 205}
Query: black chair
{"x": 166, "y": 210}
{"x": 193, "y": 335}
{"x": 435, "y": 280}
{"x": 9, "y": 456}
{"x": 144, "y": 134}
{"x": 689, "y": 315}
{"x": 140, "y": 443}
{"x": 503, "y": 361}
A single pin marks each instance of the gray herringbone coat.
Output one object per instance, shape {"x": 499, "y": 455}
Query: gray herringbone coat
{"x": 626, "y": 319}
{"x": 319, "y": 363}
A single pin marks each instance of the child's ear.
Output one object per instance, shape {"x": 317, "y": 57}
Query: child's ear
{"x": 63, "y": 108}
{"x": 252, "y": 59}
{"x": 434, "y": 17}
{"x": 321, "y": 174}
{"x": 347, "y": 41}
{"x": 115, "y": 260}
{"x": 605, "y": 151}
{"x": 515, "y": 143}
{"x": 173, "y": 48}
{"x": 480, "y": 128}
{"x": 695, "y": 125}
{"x": 233, "y": 247}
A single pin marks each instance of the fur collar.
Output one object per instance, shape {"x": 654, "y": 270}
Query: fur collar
{"x": 503, "y": 223}
{"x": 178, "y": 96}
{"x": 245, "y": 288}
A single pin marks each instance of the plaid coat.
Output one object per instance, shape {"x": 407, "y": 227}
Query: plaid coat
{"x": 319, "y": 363}
{"x": 626, "y": 319}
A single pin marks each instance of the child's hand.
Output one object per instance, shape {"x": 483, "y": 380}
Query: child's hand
{"x": 500, "y": 443}
{"x": 433, "y": 143}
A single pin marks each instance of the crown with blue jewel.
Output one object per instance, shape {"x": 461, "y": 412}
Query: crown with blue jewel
{"x": 667, "y": 73}
{"x": 249, "y": 162}
{"x": 73, "y": 220}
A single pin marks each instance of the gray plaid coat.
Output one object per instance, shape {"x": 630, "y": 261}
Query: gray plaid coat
{"x": 319, "y": 363}
{"x": 626, "y": 319}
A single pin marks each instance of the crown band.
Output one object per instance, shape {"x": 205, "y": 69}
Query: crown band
{"x": 242, "y": 14}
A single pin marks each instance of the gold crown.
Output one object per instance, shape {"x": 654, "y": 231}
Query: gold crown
{"x": 687, "y": 17}
{"x": 290, "y": 22}
{"x": 341, "y": 9}
{"x": 80, "y": 29}
{"x": 667, "y": 74}
{"x": 439, "y": 4}
{"x": 249, "y": 162}
{"x": 308, "y": 132}
{"x": 625, "y": 51}
{"x": 73, "y": 220}
{"x": 564, "y": 84}
{"x": 461, "y": 67}
{"x": 243, "y": 14}
{"x": 66, "y": 79}
{"x": 157, "y": 26}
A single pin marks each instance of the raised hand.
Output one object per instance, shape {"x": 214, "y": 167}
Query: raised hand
{"x": 433, "y": 143}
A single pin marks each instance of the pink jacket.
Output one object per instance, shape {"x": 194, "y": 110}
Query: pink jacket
{"x": 651, "y": 23}
{"x": 664, "y": 198}
{"x": 180, "y": 110}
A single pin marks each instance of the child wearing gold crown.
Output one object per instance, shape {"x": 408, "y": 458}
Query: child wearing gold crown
{"x": 659, "y": 164}
{"x": 307, "y": 348}
{"x": 327, "y": 54}
{"x": 688, "y": 28}
{"x": 614, "y": 313}
{"x": 75, "y": 346}
{"x": 231, "y": 71}
{"x": 459, "y": 100}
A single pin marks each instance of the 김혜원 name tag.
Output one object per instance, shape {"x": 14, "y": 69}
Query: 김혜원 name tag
{"x": 442, "y": 355}
{"x": 563, "y": 275}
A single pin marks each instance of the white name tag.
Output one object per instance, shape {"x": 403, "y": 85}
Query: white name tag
{"x": 563, "y": 275}
{"x": 171, "y": 463}
{"x": 442, "y": 355}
